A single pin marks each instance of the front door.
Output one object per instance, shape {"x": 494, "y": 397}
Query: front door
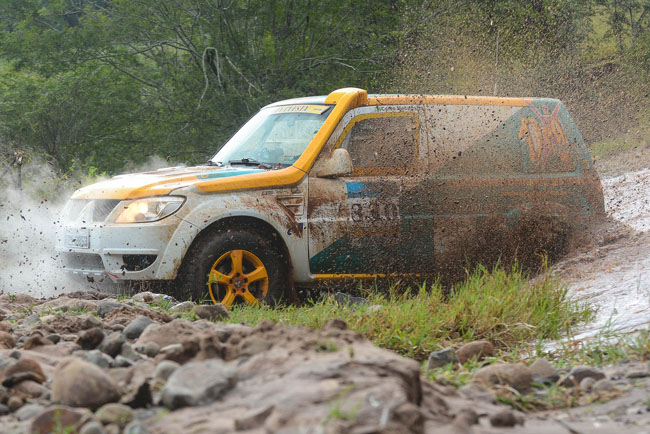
{"x": 356, "y": 225}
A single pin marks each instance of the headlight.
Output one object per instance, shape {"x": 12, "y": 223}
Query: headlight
{"x": 150, "y": 209}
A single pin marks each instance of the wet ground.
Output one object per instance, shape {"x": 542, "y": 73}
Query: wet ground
{"x": 613, "y": 274}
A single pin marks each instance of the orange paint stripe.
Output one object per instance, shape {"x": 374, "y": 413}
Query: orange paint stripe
{"x": 361, "y": 276}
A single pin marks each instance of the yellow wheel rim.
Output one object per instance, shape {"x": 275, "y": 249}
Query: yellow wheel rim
{"x": 238, "y": 274}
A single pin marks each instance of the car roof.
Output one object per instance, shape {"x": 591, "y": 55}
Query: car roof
{"x": 398, "y": 99}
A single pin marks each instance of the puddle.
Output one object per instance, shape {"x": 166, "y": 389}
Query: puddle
{"x": 615, "y": 276}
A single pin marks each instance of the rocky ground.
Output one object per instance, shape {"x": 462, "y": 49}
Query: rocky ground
{"x": 91, "y": 364}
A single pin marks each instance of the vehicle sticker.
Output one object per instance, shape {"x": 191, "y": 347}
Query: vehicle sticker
{"x": 302, "y": 108}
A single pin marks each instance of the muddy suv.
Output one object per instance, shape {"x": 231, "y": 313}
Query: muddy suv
{"x": 343, "y": 186}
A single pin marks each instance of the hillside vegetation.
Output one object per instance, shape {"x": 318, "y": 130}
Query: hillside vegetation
{"x": 101, "y": 85}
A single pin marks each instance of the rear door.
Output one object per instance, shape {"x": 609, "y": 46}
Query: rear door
{"x": 360, "y": 224}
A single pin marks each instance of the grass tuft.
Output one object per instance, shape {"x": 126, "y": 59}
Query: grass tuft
{"x": 504, "y": 307}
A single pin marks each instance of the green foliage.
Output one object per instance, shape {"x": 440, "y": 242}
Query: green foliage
{"x": 110, "y": 83}
{"x": 103, "y": 83}
{"x": 503, "y": 307}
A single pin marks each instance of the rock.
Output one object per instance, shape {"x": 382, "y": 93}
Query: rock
{"x": 136, "y": 327}
{"x": 150, "y": 349}
{"x": 90, "y": 321}
{"x": 544, "y": 373}
{"x": 112, "y": 344}
{"x": 15, "y": 402}
{"x": 135, "y": 427}
{"x": 5, "y": 362}
{"x": 479, "y": 392}
{"x": 174, "y": 332}
{"x": 31, "y": 389}
{"x": 603, "y": 386}
{"x": 58, "y": 419}
{"x": 475, "y": 350}
{"x": 35, "y": 341}
{"x": 140, "y": 397}
{"x": 6, "y": 340}
{"x": 4, "y": 410}
{"x": 636, "y": 410}
{"x": 212, "y": 312}
{"x": 253, "y": 345}
{"x": 54, "y": 338}
{"x": 253, "y": 419}
{"x": 123, "y": 362}
{"x": 144, "y": 297}
{"x": 65, "y": 304}
{"x": 152, "y": 297}
{"x": 577, "y": 373}
{"x": 31, "y": 321}
{"x": 543, "y": 368}
{"x": 81, "y": 384}
{"x": 96, "y": 357}
{"x": 505, "y": 418}
{"x": 463, "y": 422}
{"x": 112, "y": 428}
{"x": 118, "y": 414}
{"x": 516, "y": 375}
{"x": 638, "y": 374}
{"x": 171, "y": 350}
{"x": 128, "y": 352}
{"x": 28, "y": 411}
{"x": 183, "y": 307}
{"x": 165, "y": 369}
{"x": 91, "y": 338}
{"x": 23, "y": 369}
{"x": 440, "y": 358}
{"x": 181, "y": 353}
{"x": 92, "y": 427}
{"x": 198, "y": 383}
{"x": 586, "y": 384}
{"x": 6, "y": 326}
{"x": 105, "y": 306}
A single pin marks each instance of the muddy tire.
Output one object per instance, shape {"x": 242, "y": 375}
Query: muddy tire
{"x": 230, "y": 266}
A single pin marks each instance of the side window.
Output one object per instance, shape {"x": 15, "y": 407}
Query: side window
{"x": 382, "y": 143}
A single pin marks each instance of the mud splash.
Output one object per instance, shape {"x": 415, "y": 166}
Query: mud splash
{"x": 614, "y": 274}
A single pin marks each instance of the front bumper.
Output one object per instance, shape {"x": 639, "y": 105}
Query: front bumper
{"x": 119, "y": 251}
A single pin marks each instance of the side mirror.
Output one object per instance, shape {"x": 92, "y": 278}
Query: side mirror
{"x": 338, "y": 164}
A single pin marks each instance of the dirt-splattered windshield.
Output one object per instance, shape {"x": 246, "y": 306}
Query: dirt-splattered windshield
{"x": 276, "y": 136}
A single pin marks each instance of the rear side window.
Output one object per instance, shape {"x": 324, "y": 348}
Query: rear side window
{"x": 382, "y": 143}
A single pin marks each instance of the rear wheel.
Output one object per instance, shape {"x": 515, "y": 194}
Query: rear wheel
{"x": 234, "y": 267}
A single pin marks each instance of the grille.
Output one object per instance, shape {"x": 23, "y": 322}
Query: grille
{"x": 137, "y": 262}
{"x": 82, "y": 261}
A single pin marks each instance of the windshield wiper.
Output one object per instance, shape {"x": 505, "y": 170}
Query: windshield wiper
{"x": 249, "y": 162}
{"x": 212, "y": 163}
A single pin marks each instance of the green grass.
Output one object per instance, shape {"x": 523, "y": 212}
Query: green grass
{"x": 504, "y": 307}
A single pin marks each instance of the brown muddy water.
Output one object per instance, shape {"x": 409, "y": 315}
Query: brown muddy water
{"x": 613, "y": 274}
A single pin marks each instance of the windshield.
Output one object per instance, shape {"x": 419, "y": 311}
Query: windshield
{"x": 276, "y": 136}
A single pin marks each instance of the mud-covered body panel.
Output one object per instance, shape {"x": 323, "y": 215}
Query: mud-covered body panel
{"x": 489, "y": 171}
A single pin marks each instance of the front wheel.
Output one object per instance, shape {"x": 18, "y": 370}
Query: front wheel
{"x": 235, "y": 266}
